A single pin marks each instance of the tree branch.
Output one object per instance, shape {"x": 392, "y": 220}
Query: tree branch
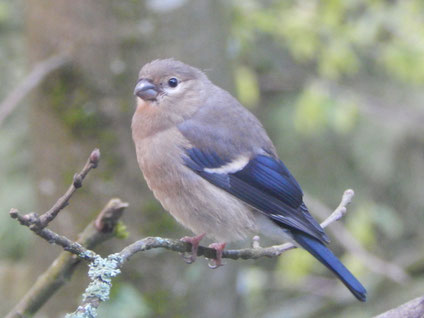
{"x": 38, "y": 223}
{"x": 63, "y": 201}
{"x": 62, "y": 268}
{"x": 34, "y": 78}
{"x": 411, "y": 309}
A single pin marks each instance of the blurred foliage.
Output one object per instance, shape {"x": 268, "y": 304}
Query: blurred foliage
{"x": 338, "y": 86}
{"x": 126, "y": 301}
{"x": 316, "y": 109}
{"x": 293, "y": 270}
{"x": 163, "y": 302}
{"x": 322, "y": 68}
{"x": 341, "y": 37}
{"x": 73, "y": 102}
{"x": 121, "y": 231}
{"x": 17, "y": 192}
{"x": 157, "y": 220}
{"x": 361, "y": 226}
{"x": 16, "y": 189}
{"x": 247, "y": 86}
{"x": 4, "y": 12}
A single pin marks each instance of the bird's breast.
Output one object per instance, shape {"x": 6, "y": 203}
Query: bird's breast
{"x": 192, "y": 201}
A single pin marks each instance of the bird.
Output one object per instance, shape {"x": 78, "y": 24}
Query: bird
{"x": 212, "y": 166}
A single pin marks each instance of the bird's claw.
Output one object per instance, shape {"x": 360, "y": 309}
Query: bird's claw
{"x": 194, "y": 241}
{"x": 189, "y": 259}
{"x": 215, "y": 263}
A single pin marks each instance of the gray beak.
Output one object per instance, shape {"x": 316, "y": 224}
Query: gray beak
{"x": 146, "y": 90}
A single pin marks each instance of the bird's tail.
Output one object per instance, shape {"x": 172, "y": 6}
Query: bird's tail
{"x": 326, "y": 257}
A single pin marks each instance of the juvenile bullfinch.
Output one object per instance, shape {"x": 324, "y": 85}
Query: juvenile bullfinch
{"x": 211, "y": 164}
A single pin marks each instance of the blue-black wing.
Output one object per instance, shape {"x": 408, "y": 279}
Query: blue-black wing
{"x": 265, "y": 183}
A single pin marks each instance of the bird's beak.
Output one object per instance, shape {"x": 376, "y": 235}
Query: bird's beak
{"x": 146, "y": 90}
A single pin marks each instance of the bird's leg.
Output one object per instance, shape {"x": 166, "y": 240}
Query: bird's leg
{"x": 194, "y": 241}
{"x": 218, "y": 247}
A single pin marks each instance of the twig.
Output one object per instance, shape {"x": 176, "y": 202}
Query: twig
{"x": 107, "y": 220}
{"x": 246, "y": 253}
{"x": 177, "y": 245}
{"x": 102, "y": 270}
{"x": 32, "y": 221}
{"x": 37, "y": 223}
{"x": 34, "y": 78}
{"x": 341, "y": 209}
{"x": 62, "y": 268}
{"x": 63, "y": 201}
{"x": 372, "y": 262}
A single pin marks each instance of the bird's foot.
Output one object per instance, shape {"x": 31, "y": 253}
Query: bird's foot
{"x": 194, "y": 241}
{"x": 215, "y": 263}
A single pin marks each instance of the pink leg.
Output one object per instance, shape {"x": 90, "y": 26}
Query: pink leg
{"x": 218, "y": 247}
{"x": 194, "y": 241}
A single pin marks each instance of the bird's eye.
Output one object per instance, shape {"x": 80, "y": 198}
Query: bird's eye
{"x": 173, "y": 82}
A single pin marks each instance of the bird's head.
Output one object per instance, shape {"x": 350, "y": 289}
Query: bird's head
{"x": 172, "y": 86}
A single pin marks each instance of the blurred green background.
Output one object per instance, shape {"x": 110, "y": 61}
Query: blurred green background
{"x": 338, "y": 86}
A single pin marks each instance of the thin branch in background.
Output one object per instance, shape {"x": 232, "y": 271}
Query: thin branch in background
{"x": 32, "y": 80}
{"x": 37, "y": 223}
{"x": 376, "y": 106}
{"x": 63, "y": 201}
{"x": 411, "y": 309}
{"x": 32, "y": 221}
{"x": 61, "y": 270}
{"x": 341, "y": 209}
{"x": 346, "y": 239}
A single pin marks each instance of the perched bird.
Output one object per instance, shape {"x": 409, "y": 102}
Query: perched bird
{"x": 211, "y": 164}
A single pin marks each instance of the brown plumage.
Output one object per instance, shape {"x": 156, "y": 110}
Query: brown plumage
{"x": 210, "y": 163}
{"x": 160, "y": 136}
